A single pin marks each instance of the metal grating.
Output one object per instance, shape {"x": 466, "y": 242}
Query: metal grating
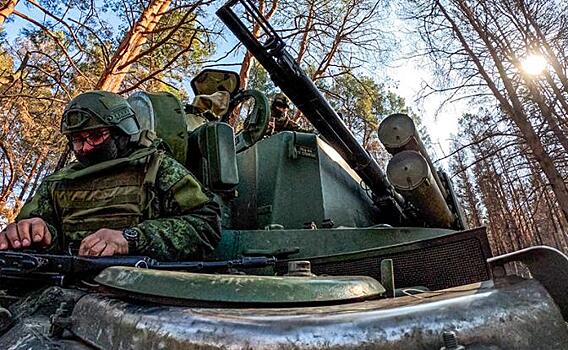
{"x": 436, "y": 264}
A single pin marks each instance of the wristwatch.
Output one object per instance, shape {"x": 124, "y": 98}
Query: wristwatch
{"x": 132, "y": 236}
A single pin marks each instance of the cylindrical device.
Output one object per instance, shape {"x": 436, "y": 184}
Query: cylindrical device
{"x": 411, "y": 176}
{"x": 398, "y": 133}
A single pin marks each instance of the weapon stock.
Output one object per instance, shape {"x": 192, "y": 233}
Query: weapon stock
{"x": 287, "y": 74}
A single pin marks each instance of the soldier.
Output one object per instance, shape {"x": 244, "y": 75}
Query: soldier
{"x": 279, "y": 119}
{"x": 120, "y": 197}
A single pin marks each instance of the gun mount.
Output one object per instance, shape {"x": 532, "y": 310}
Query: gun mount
{"x": 292, "y": 80}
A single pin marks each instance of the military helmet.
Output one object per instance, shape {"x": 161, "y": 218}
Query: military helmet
{"x": 280, "y": 99}
{"x": 96, "y": 109}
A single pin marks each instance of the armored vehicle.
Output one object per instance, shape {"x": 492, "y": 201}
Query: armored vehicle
{"x": 321, "y": 249}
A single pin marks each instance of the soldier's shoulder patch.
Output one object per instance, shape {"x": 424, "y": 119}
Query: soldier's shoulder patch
{"x": 170, "y": 172}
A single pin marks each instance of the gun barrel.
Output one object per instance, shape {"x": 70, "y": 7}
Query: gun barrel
{"x": 244, "y": 262}
{"x": 291, "y": 79}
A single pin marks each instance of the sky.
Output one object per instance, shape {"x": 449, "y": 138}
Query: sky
{"x": 410, "y": 74}
{"x": 441, "y": 123}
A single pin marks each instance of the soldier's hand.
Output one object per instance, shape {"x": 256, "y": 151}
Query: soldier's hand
{"x": 270, "y": 127}
{"x": 24, "y": 233}
{"x": 104, "y": 242}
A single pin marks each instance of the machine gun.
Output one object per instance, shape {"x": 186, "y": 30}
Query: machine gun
{"x": 59, "y": 269}
{"x": 291, "y": 79}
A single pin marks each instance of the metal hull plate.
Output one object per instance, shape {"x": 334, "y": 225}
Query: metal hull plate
{"x": 519, "y": 314}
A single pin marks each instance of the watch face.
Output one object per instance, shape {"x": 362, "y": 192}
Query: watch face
{"x": 130, "y": 234}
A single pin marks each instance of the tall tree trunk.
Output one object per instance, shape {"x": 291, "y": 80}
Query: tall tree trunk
{"x": 246, "y": 65}
{"x": 558, "y": 96}
{"x": 131, "y": 45}
{"x": 496, "y": 222}
{"x": 474, "y": 219}
{"x": 520, "y": 212}
{"x": 510, "y": 224}
{"x": 531, "y": 207}
{"x": 303, "y": 47}
{"x": 30, "y": 175}
{"x": 543, "y": 42}
{"x": 8, "y": 185}
{"x": 547, "y": 114}
{"x": 551, "y": 212}
{"x": 37, "y": 179}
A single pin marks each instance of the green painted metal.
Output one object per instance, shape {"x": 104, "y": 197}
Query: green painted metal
{"x": 321, "y": 242}
{"x": 211, "y": 156}
{"x": 411, "y": 175}
{"x": 257, "y": 120}
{"x": 387, "y": 277}
{"x": 293, "y": 179}
{"x": 171, "y": 126}
{"x": 239, "y": 288}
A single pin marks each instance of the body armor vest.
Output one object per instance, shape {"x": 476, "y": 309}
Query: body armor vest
{"x": 114, "y": 194}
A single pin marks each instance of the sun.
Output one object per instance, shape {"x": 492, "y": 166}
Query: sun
{"x": 533, "y": 64}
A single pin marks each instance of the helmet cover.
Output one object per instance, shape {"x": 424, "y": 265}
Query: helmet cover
{"x": 280, "y": 100}
{"x": 96, "y": 109}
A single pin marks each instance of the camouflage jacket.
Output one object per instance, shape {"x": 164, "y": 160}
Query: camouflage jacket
{"x": 185, "y": 223}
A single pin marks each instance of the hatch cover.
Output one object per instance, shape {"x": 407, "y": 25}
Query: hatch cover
{"x": 182, "y": 287}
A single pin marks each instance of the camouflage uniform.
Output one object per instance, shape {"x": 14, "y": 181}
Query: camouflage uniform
{"x": 130, "y": 187}
{"x": 184, "y": 223}
{"x": 279, "y": 120}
